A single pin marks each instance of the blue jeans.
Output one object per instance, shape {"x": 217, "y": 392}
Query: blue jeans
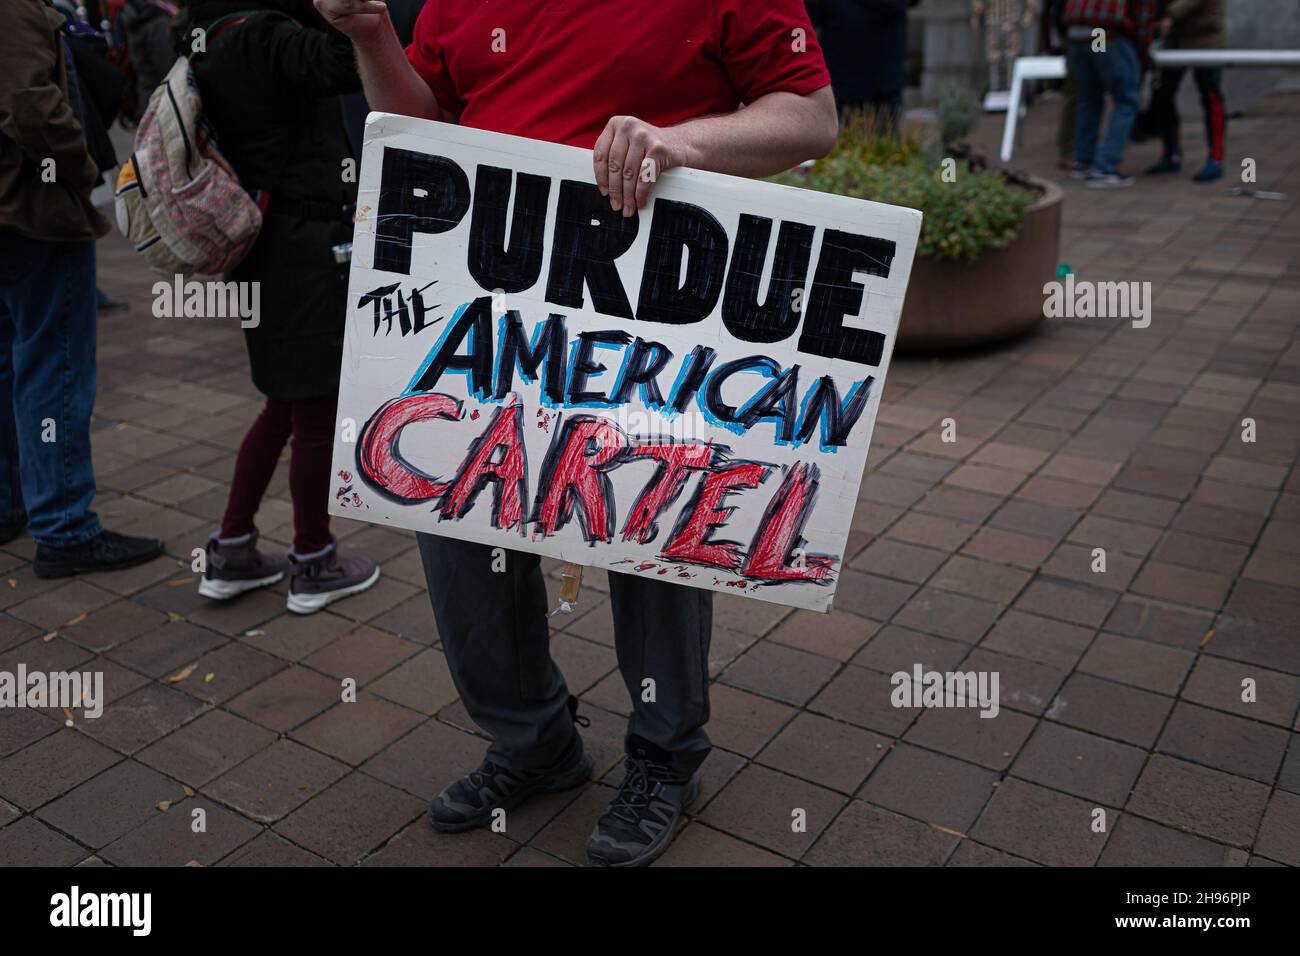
{"x": 47, "y": 387}
{"x": 1117, "y": 72}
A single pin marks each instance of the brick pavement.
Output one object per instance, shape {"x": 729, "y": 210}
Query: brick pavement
{"x": 1120, "y": 691}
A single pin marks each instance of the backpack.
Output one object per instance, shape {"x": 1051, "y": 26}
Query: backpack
{"x": 178, "y": 201}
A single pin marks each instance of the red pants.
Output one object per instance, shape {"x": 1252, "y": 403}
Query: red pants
{"x": 311, "y": 425}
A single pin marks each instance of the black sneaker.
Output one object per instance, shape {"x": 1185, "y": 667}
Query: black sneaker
{"x": 468, "y": 803}
{"x": 642, "y": 819}
{"x": 106, "y": 551}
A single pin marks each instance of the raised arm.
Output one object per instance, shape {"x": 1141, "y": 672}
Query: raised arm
{"x": 390, "y": 82}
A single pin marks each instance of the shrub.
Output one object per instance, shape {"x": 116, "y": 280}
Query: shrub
{"x": 974, "y": 212}
{"x": 959, "y": 109}
{"x": 864, "y": 138}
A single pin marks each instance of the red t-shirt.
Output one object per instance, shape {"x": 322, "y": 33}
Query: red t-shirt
{"x": 557, "y": 70}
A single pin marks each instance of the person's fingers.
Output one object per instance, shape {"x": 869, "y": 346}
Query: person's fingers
{"x": 335, "y": 10}
{"x": 653, "y": 164}
{"x": 636, "y": 154}
{"x": 600, "y": 158}
{"x": 614, "y": 164}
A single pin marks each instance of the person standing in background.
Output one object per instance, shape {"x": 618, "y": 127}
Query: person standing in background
{"x": 1109, "y": 42}
{"x": 147, "y": 26}
{"x": 1069, "y": 117}
{"x": 1192, "y": 25}
{"x": 48, "y": 228}
{"x": 865, "y": 42}
{"x": 271, "y": 78}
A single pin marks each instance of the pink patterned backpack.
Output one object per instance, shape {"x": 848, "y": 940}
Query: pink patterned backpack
{"x": 178, "y": 200}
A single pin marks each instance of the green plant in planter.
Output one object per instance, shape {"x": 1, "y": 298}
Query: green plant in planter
{"x": 973, "y": 212}
{"x": 959, "y": 110}
{"x": 864, "y": 139}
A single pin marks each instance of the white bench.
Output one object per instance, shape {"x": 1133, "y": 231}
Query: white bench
{"x": 1053, "y": 68}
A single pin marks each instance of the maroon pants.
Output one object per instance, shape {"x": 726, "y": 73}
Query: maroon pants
{"x": 311, "y": 424}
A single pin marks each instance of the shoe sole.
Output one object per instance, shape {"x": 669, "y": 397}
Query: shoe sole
{"x": 219, "y": 590}
{"x": 67, "y": 571}
{"x": 311, "y": 603}
{"x": 661, "y": 842}
{"x": 556, "y": 784}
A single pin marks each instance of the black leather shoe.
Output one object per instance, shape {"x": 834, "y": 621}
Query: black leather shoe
{"x": 106, "y": 551}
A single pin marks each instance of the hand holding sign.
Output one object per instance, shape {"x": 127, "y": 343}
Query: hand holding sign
{"x": 629, "y": 157}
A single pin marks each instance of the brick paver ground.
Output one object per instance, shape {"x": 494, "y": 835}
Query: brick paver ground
{"x": 1120, "y": 691}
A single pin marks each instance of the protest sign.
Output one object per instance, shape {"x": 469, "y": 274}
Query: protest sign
{"x": 687, "y": 393}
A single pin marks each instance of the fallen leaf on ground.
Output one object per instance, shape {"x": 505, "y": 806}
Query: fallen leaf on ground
{"x": 183, "y": 673}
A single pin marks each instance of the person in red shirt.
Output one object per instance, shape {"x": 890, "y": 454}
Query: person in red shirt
{"x": 732, "y": 86}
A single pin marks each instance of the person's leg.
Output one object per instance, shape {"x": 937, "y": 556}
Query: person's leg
{"x": 310, "y": 462}
{"x": 494, "y": 631}
{"x": 1091, "y": 100}
{"x": 255, "y": 464}
{"x": 1164, "y": 113}
{"x": 1069, "y": 118}
{"x": 52, "y": 308}
{"x": 13, "y": 516}
{"x": 49, "y": 291}
{"x": 1208, "y": 83}
{"x": 1121, "y": 75}
{"x": 320, "y": 575}
{"x": 661, "y": 634}
{"x": 234, "y": 564}
{"x": 490, "y": 607}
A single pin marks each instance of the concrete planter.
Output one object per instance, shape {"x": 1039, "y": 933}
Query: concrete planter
{"x": 959, "y": 304}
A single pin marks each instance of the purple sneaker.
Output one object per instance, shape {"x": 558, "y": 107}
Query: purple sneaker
{"x": 235, "y": 566}
{"x": 322, "y": 577}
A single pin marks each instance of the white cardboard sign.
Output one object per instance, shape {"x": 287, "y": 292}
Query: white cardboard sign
{"x": 687, "y": 393}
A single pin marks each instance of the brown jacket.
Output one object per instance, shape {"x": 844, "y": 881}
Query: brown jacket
{"x": 46, "y": 173}
{"x": 1198, "y": 25}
